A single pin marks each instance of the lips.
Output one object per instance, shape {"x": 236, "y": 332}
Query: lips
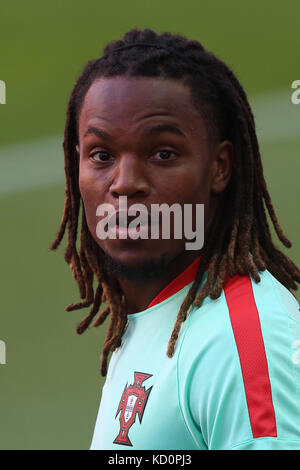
{"x": 122, "y": 219}
{"x": 119, "y": 224}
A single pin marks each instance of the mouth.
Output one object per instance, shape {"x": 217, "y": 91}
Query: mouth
{"x": 126, "y": 226}
{"x": 124, "y": 220}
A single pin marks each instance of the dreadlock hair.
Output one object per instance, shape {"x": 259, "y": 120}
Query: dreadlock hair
{"x": 240, "y": 244}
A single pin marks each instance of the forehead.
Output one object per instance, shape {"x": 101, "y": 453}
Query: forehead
{"x": 135, "y": 99}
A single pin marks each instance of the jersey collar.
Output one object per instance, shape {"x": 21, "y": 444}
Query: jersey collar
{"x": 182, "y": 280}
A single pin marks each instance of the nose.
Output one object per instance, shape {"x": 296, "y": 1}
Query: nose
{"x": 130, "y": 178}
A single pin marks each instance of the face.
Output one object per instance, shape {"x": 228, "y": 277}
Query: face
{"x": 144, "y": 139}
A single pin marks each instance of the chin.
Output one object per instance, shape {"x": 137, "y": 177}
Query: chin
{"x": 135, "y": 267}
{"x": 133, "y": 253}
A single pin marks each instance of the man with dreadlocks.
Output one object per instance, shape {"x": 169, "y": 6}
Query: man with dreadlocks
{"x": 202, "y": 341}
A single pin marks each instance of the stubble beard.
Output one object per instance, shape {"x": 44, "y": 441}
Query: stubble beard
{"x": 140, "y": 272}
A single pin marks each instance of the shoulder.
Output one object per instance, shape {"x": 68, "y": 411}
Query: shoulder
{"x": 246, "y": 311}
{"x": 266, "y": 296}
{"x": 251, "y": 322}
{"x": 265, "y": 321}
{"x": 240, "y": 348}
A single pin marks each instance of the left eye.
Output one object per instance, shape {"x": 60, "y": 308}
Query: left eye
{"x": 165, "y": 154}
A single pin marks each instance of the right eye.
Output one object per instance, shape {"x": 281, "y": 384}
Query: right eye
{"x": 100, "y": 156}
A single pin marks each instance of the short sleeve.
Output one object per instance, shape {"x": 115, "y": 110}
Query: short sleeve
{"x": 268, "y": 443}
{"x": 238, "y": 370}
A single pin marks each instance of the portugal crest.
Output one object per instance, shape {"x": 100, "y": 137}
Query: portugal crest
{"x": 133, "y": 402}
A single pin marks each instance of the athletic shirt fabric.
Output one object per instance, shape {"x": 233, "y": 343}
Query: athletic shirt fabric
{"x": 233, "y": 382}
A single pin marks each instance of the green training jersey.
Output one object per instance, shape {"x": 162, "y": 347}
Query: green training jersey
{"x": 233, "y": 382}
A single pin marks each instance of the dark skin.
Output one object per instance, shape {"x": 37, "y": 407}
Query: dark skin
{"x": 158, "y": 167}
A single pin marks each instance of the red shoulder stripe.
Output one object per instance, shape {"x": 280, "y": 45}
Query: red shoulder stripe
{"x": 247, "y": 332}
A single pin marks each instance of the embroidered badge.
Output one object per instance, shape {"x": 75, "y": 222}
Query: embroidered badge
{"x": 133, "y": 402}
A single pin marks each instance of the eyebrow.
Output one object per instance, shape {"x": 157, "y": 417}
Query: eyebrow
{"x": 158, "y": 129}
{"x": 98, "y": 132}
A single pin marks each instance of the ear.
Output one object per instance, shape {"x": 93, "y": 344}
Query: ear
{"x": 78, "y": 151}
{"x": 222, "y": 166}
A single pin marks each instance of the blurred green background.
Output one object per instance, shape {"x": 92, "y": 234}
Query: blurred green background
{"x": 50, "y": 385}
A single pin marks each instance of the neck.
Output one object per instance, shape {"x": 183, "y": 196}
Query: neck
{"x": 139, "y": 293}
